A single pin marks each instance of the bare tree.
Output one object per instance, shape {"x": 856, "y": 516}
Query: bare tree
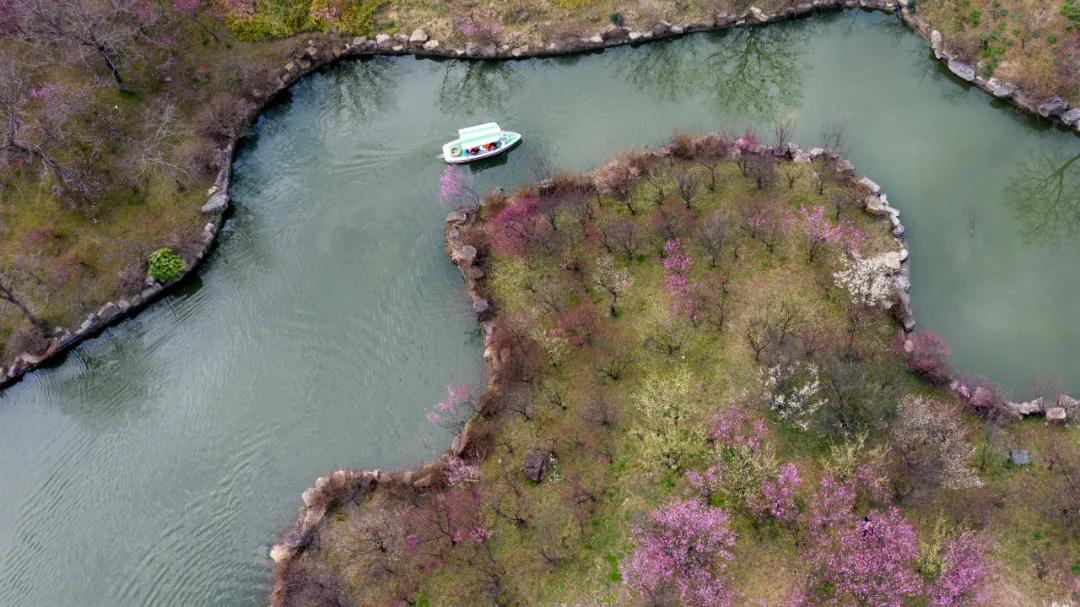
{"x": 109, "y": 30}
{"x": 36, "y": 121}
{"x": 711, "y": 152}
{"x": 687, "y": 185}
{"x": 711, "y": 297}
{"x": 713, "y": 235}
{"x": 620, "y": 235}
{"x": 783, "y": 129}
{"x": 8, "y": 294}
{"x": 599, "y": 411}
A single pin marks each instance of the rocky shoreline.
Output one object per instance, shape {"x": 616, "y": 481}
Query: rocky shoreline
{"x": 323, "y": 52}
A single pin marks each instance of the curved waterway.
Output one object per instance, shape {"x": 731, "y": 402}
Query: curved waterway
{"x": 154, "y": 466}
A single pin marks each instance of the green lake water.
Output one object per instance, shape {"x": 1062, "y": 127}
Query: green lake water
{"x": 155, "y": 465}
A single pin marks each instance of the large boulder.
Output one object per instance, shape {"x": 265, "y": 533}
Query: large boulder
{"x": 1030, "y": 407}
{"x": 536, "y": 463}
{"x": 1071, "y": 117}
{"x": 999, "y": 89}
{"x": 384, "y": 40}
{"x": 418, "y": 37}
{"x": 464, "y": 257}
{"x": 936, "y": 43}
{"x": 962, "y": 70}
{"x": 870, "y": 184}
{"x": 217, "y": 203}
{"x": 876, "y": 205}
{"x": 1068, "y": 403}
{"x": 1052, "y": 107}
{"x": 758, "y": 14}
{"x": 1056, "y": 416}
{"x": 614, "y": 32}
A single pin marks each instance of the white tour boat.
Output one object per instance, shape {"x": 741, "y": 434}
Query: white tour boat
{"x": 478, "y": 142}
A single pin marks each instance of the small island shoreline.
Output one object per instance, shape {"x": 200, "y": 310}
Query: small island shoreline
{"x": 347, "y": 485}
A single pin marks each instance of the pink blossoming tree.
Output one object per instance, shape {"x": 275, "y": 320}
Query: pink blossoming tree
{"x": 516, "y": 226}
{"x": 820, "y": 231}
{"x": 677, "y": 266}
{"x": 682, "y": 552}
{"x": 867, "y": 561}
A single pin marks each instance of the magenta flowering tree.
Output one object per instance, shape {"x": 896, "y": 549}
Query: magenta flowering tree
{"x": 867, "y": 561}
{"x": 682, "y": 552}
{"x": 927, "y": 354}
{"x": 677, "y": 266}
{"x": 963, "y": 572}
{"x": 516, "y": 226}
{"x": 820, "y": 231}
{"x": 455, "y": 188}
{"x": 778, "y": 494}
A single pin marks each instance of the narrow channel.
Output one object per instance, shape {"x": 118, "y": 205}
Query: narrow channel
{"x": 155, "y": 465}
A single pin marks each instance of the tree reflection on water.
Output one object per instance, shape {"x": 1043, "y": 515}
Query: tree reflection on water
{"x": 476, "y": 85}
{"x": 1044, "y": 195}
{"x": 752, "y": 71}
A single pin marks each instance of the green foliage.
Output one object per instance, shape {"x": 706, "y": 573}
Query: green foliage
{"x": 1071, "y": 11}
{"x": 284, "y": 18}
{"x": 165, "y": 265}
{"x": 975, "y": 18}
{"x": 617, "y": 19}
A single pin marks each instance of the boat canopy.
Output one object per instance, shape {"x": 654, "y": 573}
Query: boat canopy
{"x": 481, "y": 134}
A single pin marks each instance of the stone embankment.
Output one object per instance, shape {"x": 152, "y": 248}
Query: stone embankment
{"x": 112, "y": 312}
{"x": 320, "y": 53}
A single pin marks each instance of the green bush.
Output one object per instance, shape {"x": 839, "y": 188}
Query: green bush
{"x": 166, "y": 265}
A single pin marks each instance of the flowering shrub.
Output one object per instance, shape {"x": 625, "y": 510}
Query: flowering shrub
{"x": 684, "y": 549}
{"x": 793, "y": 390}
{"x": 983, "y": 396}
{"x": 932, "y": 442}
{"x": 448, "y": 412}
{"x": 458, "y": 471}
{"x": 481, "y": 26}
{"x": 867, "y": 280}
{"x": 778, "y": 495}
{"x": 927, "y": 353}
{"x": 165, "y": 265}
{"x": 960, "y": 572}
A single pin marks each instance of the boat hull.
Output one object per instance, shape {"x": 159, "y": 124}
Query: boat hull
{"x": 510, "y": 139}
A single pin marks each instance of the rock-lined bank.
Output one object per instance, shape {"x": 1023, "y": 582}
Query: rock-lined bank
{"x": 321, "y": 52}
{"x": 347, "y": 485}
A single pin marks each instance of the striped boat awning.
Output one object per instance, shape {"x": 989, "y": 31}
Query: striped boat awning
{"x": 480, "y": 134}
